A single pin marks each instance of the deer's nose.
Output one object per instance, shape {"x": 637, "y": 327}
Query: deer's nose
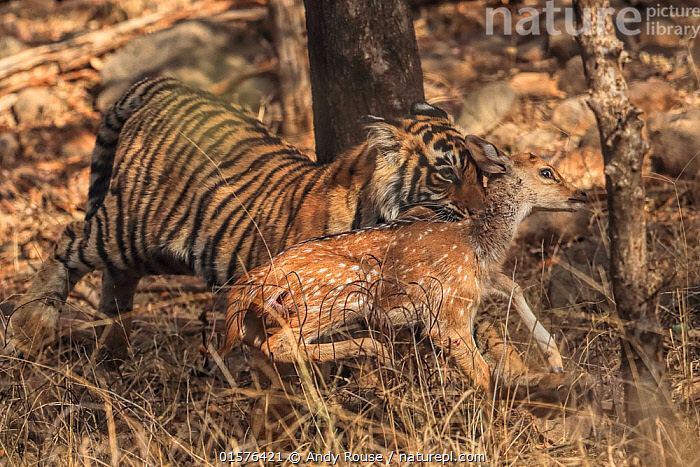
{"x": 580, "y": 194}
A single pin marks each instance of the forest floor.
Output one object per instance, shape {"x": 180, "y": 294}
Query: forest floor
{"x": 160, "y": 408}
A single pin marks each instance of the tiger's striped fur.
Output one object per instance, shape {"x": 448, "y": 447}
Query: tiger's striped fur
{"x": 183, "y": 182}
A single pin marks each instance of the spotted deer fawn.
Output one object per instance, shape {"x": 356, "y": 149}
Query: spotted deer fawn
{"x": 417, "y": 272}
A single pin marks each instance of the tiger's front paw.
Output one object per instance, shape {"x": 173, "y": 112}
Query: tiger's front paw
{"x": 31, "y": 327}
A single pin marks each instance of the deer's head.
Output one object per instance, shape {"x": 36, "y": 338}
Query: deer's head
{"x": 536, "y": 185}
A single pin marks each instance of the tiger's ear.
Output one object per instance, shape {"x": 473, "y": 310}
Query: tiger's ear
{"x": 382, "y": 137}
{"x": 488, "y": 157}
{"x": 423, "y": 108}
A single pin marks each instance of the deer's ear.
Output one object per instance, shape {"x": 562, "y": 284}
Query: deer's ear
{"x": 488, "y": 157}
{"x": 423, "y": 108}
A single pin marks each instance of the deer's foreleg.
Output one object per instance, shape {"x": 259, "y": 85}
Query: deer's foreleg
{"x": 503, "y": 286}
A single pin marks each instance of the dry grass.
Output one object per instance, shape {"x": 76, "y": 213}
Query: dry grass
{"x": 160, "y": 408}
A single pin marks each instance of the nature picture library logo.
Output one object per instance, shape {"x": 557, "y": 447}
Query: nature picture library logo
{"x": 629, "y": 21}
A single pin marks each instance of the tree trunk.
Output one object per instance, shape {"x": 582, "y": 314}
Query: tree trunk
{"x": 295, "y": 87}
{"x": 364, "y": 60}
{"x": 647, "y": 399}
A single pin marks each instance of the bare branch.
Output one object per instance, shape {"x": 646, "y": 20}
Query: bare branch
{"x": 647, "y": 399}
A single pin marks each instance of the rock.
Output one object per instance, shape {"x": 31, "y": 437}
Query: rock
{"x": 571, "y": 79}
{"x": 573, "y": 116}
{"x": 454, "y": 70}
{"x": 485, "y": 108}
{"x": 660, "y": 120}
{"x": 676, "y": 147}
{"x": 461, "y": 72}
{"x": 582, "y": 167}
{"x": 551, "y": 228}
{"x": 81, "y": 144}
{"x": 590, "y": 138}
{"x": 198, "y": 52}
{"x": 535, "y": 141}
{"x": 657, "y": 35}
{"x": 532, "y": 51}
{"x": 10, "y": 45}
{"x": 653, "y": 95}
{"x": 9, "y": 149}
{"x": 7, "y": 101}
{"x": 504, "y": 136}
{"x": 37, "y": 106}
{"x": 253, "y": 91}
{"x": 535, "y": 85}
{"x": 672, "y": 136}
{"x": 562, "y": 46}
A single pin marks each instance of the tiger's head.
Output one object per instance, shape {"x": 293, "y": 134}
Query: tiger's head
{"x": 425, "y": 161}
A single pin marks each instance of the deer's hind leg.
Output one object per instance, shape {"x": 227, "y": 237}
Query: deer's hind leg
{"x": 33, "y": 323}
{"x": 462, "y": 348}
{"x": 287, "y": 346}
{"x": 242, "y": 324}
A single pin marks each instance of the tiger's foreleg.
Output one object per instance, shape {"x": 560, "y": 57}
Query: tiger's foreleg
{"x": 33, "y": 323}
{"x": 502, "y": 358}
{"x": 512, "y": 377}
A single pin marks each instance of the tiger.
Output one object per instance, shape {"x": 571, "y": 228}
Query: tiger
{"x": 184, "y": 182}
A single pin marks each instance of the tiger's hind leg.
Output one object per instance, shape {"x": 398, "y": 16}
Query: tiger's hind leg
{"x": 500, "y": 355}
{"x": 513, "y": 378}
{"x": 33, "y": 323}
{"x": 117, "y": 301}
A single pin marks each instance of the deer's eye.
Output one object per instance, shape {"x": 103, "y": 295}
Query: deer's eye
{"x": 546, "y": 173}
